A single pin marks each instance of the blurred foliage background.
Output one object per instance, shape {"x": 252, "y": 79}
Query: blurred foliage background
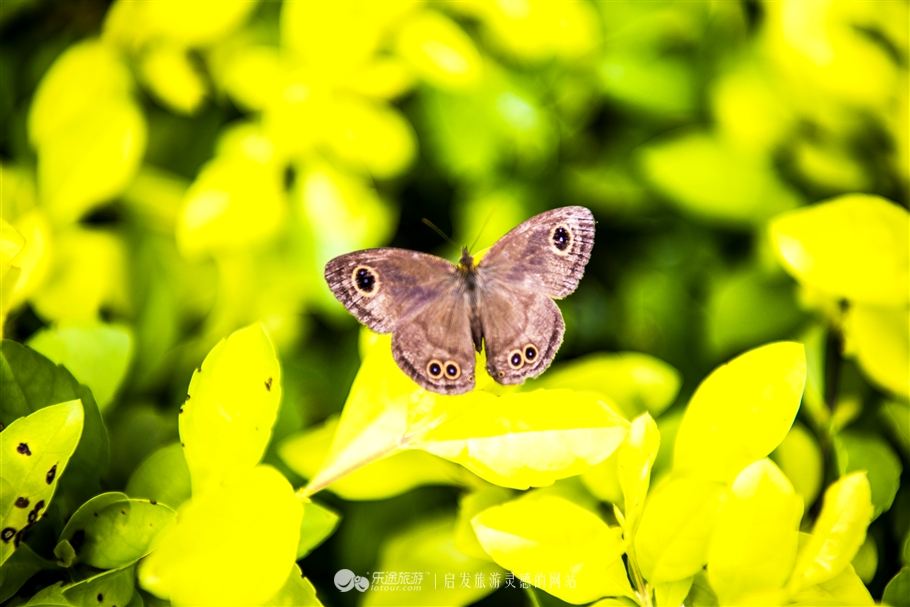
{"x": 172, "y": 171}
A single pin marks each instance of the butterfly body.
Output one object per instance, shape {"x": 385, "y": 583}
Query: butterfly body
{"x": 439, "y": 312}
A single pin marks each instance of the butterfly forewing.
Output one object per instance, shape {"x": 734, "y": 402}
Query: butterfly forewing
{"x": 546, "y": 254}
{"x": 380, "y": 287}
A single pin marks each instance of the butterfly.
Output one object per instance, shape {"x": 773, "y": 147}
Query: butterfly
{"x": 438, "y": 312}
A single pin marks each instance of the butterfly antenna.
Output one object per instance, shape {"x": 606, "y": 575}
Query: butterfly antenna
{"x": 482, "y": 228}
{"x": 441, "y": 234}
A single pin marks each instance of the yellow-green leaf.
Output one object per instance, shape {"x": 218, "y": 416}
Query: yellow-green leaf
{"x": 741, "y": 411}
{"x": 556, "y": 545}
{"x": 756, "y": 534}
{"x": 296, "y": 592}
{"x": 193, "y": 24}
{"x": 306, "y": 454}
{"x": 800, "y": 458}
{"x": 226, "y": 422}
{"x": 233, "y": 544}
{"x": 635, "y": 457}
{"x": 173, "y": 77}
{"x": 439, "y": 50}
{"x": 672, "y": 539}
{"x": 469, "y": 505}
{"x": 528, "y": 439}
{"x": 837, "y": 534}
{"x": 879, "y": 338}
{"x": 97, "y": 354}
{"x": 855, "y": 246}
{"x": 635, "y": 382}
{"x": 35, "y": 451}
{"x": 162, "y": 476}
{"x": 415, "y": 564}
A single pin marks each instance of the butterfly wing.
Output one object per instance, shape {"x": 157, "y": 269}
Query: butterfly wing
{"x": 422, "y": 301}
{"x": 542, "y": 259}
{"x": 546, "y": 254}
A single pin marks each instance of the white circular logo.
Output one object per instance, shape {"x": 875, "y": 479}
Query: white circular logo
{"x": 345, "y": 579}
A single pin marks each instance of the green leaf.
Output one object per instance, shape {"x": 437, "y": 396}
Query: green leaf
{"x": 305, "y": 453}
{"x": 845, "y": 588}
{"x": 877, "y": 337}
{"x": 707, "y": 176}
{"x": 114, "y": 530}
{"x": 635, "y": 382}
{"x": 296, "y": 592}
{"x": 162, "y": 476}
{"x": 800, "y": 458}
{"x": 673, "y": 593}
{"x": 756, "y": 535}
{"x": 837, "y": 534}
{"x": 741, "y": 411}
{"x": 865, "y": 563}
{"x": 897, "y": 592}
{"x": 234, "y": 543}
{"x": 317, "y": 524}
{"x": 226, "y": 422}
{"x": 528, "y": 439}
{"x": 98, "y": 355}
{"x": 28, "y": 382}
{"x": 897, "y": 417}
{"x": 574, "y": 556}
{"x": 19, "y": 568}
{"x": 108, "y": 589}
{"x": 855, "y": 246}
{"x": 469, "y": 505}
{"x": 869, "y": 453}
{"x": 36, "y": 450}
{"x": 423, "y": 557}
{"x": 672, "y": 539}
{"x": 635, "y": 457}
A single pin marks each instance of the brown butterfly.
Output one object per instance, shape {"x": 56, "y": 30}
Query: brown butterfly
{"x": 439, "y": 312}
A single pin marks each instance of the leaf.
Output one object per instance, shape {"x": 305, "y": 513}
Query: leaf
{"x": 855, "y": 246}
{"x": 672, "y": 539}
{"x": 673, "y": 593}
{"x": 574, "y": 556}
{"x": 414, "y": 565}
{"x": 868, "y": 453}
{"x": 846, "y": 588}
{"x": 110, "y": 588}
{"x": 173, "y": 78}
{"x": 837, "y": 534}
{"x": 131, "y": 23}
{"x": 707, "y": 176}
{"x": 898, "y": 589}
{"x": 36, "y": 450}
{"x": 439, "y": 51}
{"x": 528, "y": 439}
{"x": 756, "y": 534}
{"x": 115, "y": 531}
{"x": 296, "y": 592}
{"x": 317, "y": 524}
{"x": 800, "y": 458}
{"x": 162, "y": 476}
{"x": 469, "y": 505}
{"x": 98, "y": 355}
{"x": 28, "y": 382}
{"x": 741, "y": 411}
{"x": 877, "y": 337}
{"x": 635, "y": 382}
{"x": 305, "y": 453}
{"x": 234, "y": 543}
{"x": 226, "y": 422}
{"x": 19, "y": 568}
{"x": 635, "y": 457}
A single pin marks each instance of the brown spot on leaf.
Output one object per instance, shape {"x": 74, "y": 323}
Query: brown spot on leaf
{"x": 268, "y": 384}
{"x": 22, "y": 502}
{"x": 23, "y": 449}
{"x": 51, "y": 474}
{"x": 7, "y": 534}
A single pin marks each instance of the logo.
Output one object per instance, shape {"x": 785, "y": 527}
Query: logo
{"x": 346, "y": 579}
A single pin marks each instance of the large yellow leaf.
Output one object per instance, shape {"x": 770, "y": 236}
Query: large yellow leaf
{"x": 556, "y": 545}
{"x": 756, "y": 535}
{"x": 634, "y": 459}
{"x": 226, "y": 422}
{"x": 879, "y": 337}
{"x": 528, "y": 439}
{"x": 232, "y": 545}
{"x": 672, "y": 539}
{"x": 838, "y": 533}
{"x": 192, "y": 24}
{"x": 855, "y": 246}
{"x": 741, "y": 411}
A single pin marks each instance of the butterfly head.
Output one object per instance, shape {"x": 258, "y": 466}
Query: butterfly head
{"x": 466, "y": 263}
